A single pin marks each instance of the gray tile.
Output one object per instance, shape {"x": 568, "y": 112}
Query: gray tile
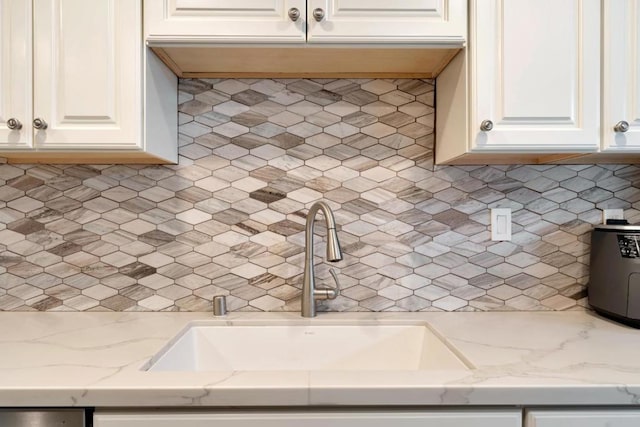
{"x": 559, "y": 195}
{"x": 577, "y": 184}
{"x": 595, "y": 195}
{"x": 323, "y": 97}
{"x": 249, "y": 97}
{"x": 364, "y": 145}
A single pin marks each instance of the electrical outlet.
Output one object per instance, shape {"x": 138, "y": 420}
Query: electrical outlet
{"x": 612, "y": 214}
{"x": 500, "y": 224}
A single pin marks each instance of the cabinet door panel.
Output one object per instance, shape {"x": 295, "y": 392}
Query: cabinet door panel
{"x": 15, "y": 73}
{"x": 87, "y": 74}
{"x": 232, "y": 21}
{"x": 535, "y": 70}
{"x": 621, "y": 75}
{"x": 371, "y": 21}
{"x": 511, "y": 418}
{"x": 583, "y": 418}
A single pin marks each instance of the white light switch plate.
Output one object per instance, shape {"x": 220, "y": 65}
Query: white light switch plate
{"x": 500, "y": 224}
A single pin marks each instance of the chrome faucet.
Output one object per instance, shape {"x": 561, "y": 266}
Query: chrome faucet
{"x": 309, "y": 292}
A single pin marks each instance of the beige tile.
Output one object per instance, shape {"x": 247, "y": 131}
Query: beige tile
{"x": 397, "y": 98}
{"x": 379, "y": 86}
{"x": 378, "y": 130}
{"x": 155, "y": 303}
{"x": 193, "y": 216}
{"x": 193, "y": 281}
{"x": 99, "y": 292}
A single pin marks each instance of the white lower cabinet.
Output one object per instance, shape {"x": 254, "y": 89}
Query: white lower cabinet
{"x": 583, "y": 418}
{"x": 605, "y": 417}
{"x": 343, "y": 418}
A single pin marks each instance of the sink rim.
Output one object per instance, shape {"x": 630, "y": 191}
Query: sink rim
{"x": 146, "y": 366}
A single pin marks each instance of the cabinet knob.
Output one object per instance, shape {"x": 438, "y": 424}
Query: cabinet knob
{"x": 294, "y": 14}
{"x": 14, "y": 124}
{"x": 40, "y": 124}
{"x": 318, "y": 14}
{"x": 621, "y": 126}
{"x": 486, "y": 125}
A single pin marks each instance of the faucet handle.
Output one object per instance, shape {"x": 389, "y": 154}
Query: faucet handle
{"x": 335, "y": 279}
{"x": 326, "y": 292}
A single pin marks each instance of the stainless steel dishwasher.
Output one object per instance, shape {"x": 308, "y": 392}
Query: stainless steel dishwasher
{"x": 26, "y": 417}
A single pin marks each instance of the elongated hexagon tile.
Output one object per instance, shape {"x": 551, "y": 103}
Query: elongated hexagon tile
{"x": 254, "y": 155}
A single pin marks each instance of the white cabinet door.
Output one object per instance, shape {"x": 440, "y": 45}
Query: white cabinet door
{"x": 462, "y": 418}
{"x": 384, "y": 21}
{"x": 621, "y": 75}
{"x": 15, "y": 73}
{"x": 231, "y": 21}
{"x": 535, "y": 74}
{"x": 584, "y": 418}
{"x": 88, "y": 74}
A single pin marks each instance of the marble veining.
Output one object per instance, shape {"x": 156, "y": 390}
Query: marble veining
{"x": 520, "y": 358}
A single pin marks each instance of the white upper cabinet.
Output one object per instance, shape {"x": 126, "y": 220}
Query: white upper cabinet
{"x": 297, "y": 21}
{"x": 535, "y": 76}
{"x": 621, "y": 76}
{"x": 87, "y": 74}
{"x": 263, "y": 38}
{"x": 77, "y": 78}
{"x": 374, "y": 21}
{"x": 226, "y": 21}
{"x": 543, "y": 81}
{"x": 15, "y": 73}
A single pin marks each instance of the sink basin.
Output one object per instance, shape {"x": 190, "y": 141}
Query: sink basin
{"x": 306, "y": 347}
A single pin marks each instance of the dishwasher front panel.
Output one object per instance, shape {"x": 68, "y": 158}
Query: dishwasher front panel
{"x": 42, "y": 417}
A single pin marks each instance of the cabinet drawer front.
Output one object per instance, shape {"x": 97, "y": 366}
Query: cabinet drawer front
{"x": 231, "y": 21}
{"x": 536, "y": 75}
{"x": 584, "y": 418}
{"x": 511, "y": 418}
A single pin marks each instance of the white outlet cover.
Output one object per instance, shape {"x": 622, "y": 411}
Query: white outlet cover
{"x": 501, "y": 224}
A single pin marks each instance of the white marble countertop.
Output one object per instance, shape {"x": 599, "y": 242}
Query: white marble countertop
{"x": 520, "y": 358}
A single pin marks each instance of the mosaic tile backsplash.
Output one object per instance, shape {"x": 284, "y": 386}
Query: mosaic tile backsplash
{"x": 229, "y": 219}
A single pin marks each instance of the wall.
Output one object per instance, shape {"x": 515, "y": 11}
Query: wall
{"x": 229, "y": 219}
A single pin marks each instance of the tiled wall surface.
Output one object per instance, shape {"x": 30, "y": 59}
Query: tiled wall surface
{"x": 229, "y": 218}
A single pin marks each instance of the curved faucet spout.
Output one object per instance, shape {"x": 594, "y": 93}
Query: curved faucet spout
{"x": 334, "y": 254}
